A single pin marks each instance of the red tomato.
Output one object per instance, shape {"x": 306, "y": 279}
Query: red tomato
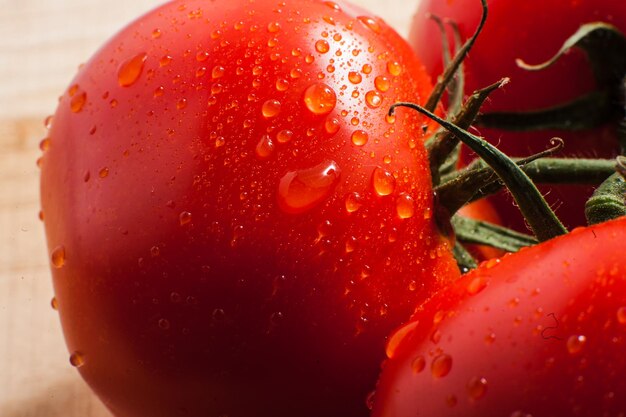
{"x": 541, "y": 332}
{"x": 533, "y": 31}
{"x": 234, "y": 223}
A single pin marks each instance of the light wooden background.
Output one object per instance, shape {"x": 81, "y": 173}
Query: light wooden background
{"x": 42, "y": 42}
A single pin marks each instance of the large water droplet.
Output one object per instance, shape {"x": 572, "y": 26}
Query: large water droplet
{"x": 354, "y": 77}
{"x": 398, "y": 336}
{"x": 184, "y": 218}
{"x": 373, "y": 99}
{"x": 359, "y": 137}
{"x": 354, "y": 201}
{"x": 575, "y": 344}
{"x": 319, "y": 98}
{"x": 270, "y": 108}
{"x": 57, "y": 256}
{"x": 383, "y": 181}
{"x": 284, "y": 136}
{"x": 322, "y": 46}
{"x": 621, "y": 315}
{"x": 441, "y": 365}
{"x": 77, "y": 359}
{"x": 299, "y": 191}
{"x": 477, "y": 387}
{"x": 130, "y": 70}
{"x": 405, "y": 206}
{"x": 370, "y": 23}
{"x": 382, "y": 83}
{"x": 265, "y": 147}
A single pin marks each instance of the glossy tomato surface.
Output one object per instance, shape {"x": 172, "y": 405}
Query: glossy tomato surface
{"x": 541, "y": 332}
{"x": 533, "y": 31}
{"x": 234, "y": 224}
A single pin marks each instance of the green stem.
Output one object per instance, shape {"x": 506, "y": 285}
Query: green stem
{"x": 540, "y": 217}
{"x": 444, "y": 143}
{"x": 464, "y": 259}
{"x": 451, "y": 70}
{"x": 489, "y": 234}
{"x": 608, "y": 200}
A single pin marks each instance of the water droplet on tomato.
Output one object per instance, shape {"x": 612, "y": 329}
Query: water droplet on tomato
{"x": 322, "y": 46}
{"x": 621, "y": 315}
{"x": 284, "y": 136}
{"x": 273, "y": 27}
{"x": 184, "y": 218}
{"x": 332, "y": 5}
{"x": 44, "y": 144}
{"x": 370, "y": 400}
{"x": 331, "y": 125}
{"x": 78, "y": 101}
{"x": 382, "y": 83}
{"x": 354, "y": 201}
{"x": 476, "y": 285}
{"x": 319, "y": 98}
{"x": 218, "y": 315}
{"x": 165, "y": 60}
{"x": 351, "y": 244}
{"x": 130, "y": 70}
{"x": 398, "y": 336}
{"x": 476, "y": 387}
{"x": 441, "y": 365}
{"x": 405, "y": 206}
{"x": 383, "y": 181}
{"x": 282, "y": 84}
{"x": 58, "y": 256}
{"x": 354, "y": 77}
{"x": 435, "y": 337}
{"x": 359, "y": 137}
{"x": 265, "y": 147}
{"x": 370, "y": 23}
{"x": 394, "y": 68}
{"x": 217, "y": 71}
{"x": 418, "y": 364}
{"x": 54, "y": 303}
{"x": 270, "y": 108}
{"x": 373, "y": 99}
{"x": 77, "y": 359}
{"x": 299, "y": 191}
{"x": 575, "y": 344}
{"x": 104, "y": 172}
{"x": 164, "y": 324}
{"x": 47, "y": 122}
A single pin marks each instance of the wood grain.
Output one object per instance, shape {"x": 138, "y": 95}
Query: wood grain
{"x": 41, "y": 45}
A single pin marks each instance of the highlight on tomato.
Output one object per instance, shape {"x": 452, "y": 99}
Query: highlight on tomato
{"x": 533, "y": 32}
{"x": 235, "y": 223}
{"x": 537, "y": 333}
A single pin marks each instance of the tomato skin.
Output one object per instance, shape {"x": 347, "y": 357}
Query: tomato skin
{"x": 204, "y": 268}
{"x": 533, "y": 31}
{"x": 539, "y": 332}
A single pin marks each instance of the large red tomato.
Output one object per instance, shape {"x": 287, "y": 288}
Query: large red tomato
{"x": 533, "y": 31}
{"x": 541, "y": 332}
{"x": 234, "y": 224}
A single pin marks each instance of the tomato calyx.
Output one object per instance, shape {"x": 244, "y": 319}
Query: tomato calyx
{"x": 609, "y": 199}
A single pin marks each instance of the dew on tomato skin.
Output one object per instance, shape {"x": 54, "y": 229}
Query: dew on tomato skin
{"x": 394, "y": 68}
{"x": 441, "y": 365}
{"x": 57, "y": 257}
{"x": 333, "y": 5}
{"x": 353, "y": 202}
{"x": 359, "y": 137}
{"x": 575, "y": 344}
{"x": 621, "y": 315}
{"x": 354, "y": 77}
{"x": 369, "y": 23}
{"x": 155, "y": 251}
{"x": 217, "y": 71}
{"x": 270, "y": 108}
{"x": 435, "y": 336}
{"x": 47, "y": 122}
{"x": 218, "y": 315}
{"x": 490, "y": 338}
{"x": 130, "y": 70}
{"x": 383, "y": 181}
{"x": 476, "y": 387}
{"x": 319, "y": 98}
{"x": 382, "y": 83}
{"x": 476, "y": 285}
{"x": 264, "y": 148}
{"x": 165, "y": 60}
{"x": 373, "y": 99}
{"x": 405, "y": 206}
{"x": 418, "y": 364}
{"x": 351, "y": 244}
{"x": 282, "y": 84}
{"x": 104, "y": 172}
{"x": 398, "y": 336}
{"x": 78, "y": 101}
{"x": 273, "y": 27}
{"x": 322, "y": 46}
{"x": 40, "y": 215}
{"x": 184, "y": 218}
{"x": 77, "y": 359}
{"x": 164, "y": 324}
{"x": 54, "y": 303}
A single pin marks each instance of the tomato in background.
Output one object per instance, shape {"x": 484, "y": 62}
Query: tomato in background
{"x": 533, "y": 31}
{"x": 234, "y": 223}
{"x": 541, "y": 332}
{"x": 482, "y": 210}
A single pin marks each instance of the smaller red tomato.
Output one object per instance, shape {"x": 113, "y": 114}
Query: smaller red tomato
{"x": 541, "y": 332}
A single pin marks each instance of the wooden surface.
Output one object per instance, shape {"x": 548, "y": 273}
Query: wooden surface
{"x": 42, "y": 42}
